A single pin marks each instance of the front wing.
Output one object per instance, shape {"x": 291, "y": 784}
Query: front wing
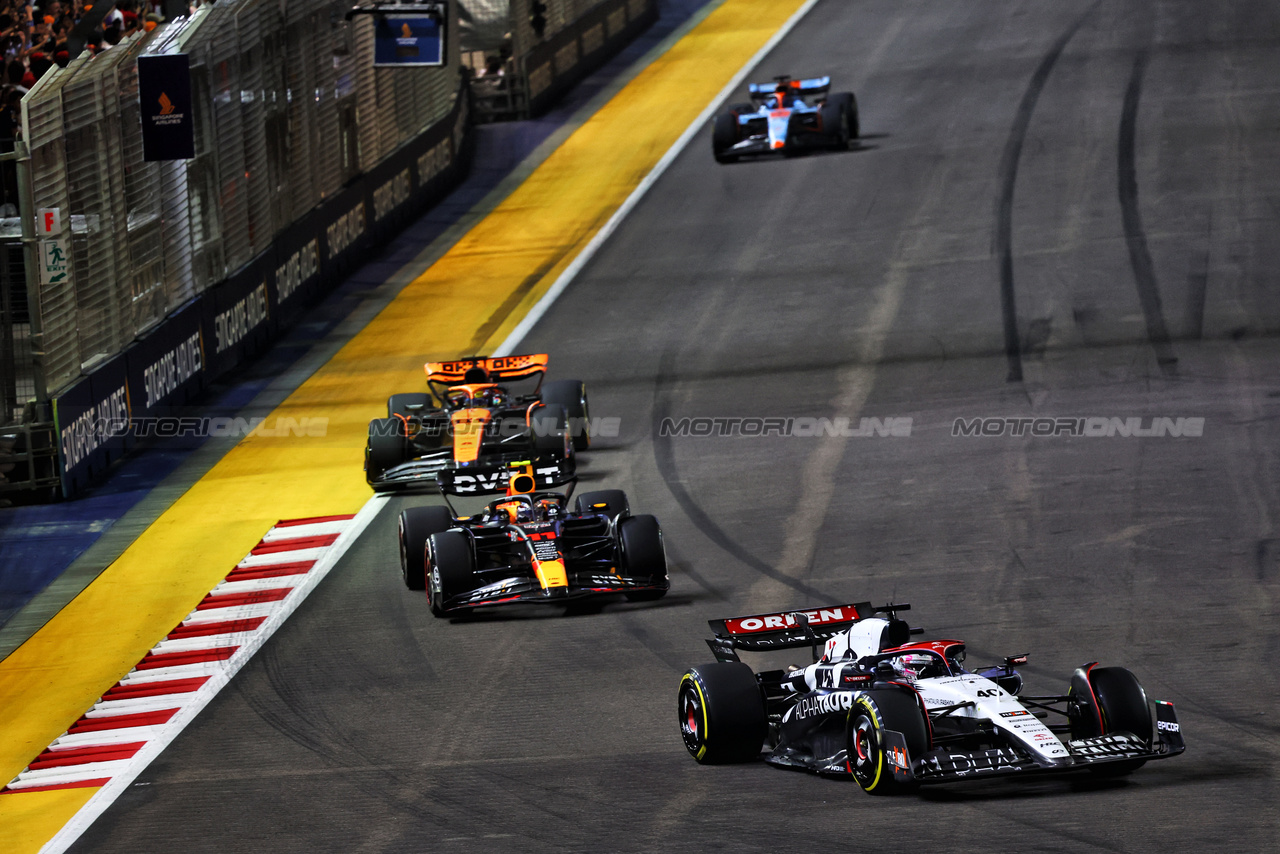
{"x": 949, "y": 766}
{"x": 524, "y": 589}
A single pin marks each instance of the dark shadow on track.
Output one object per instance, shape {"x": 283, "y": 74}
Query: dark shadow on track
{"x": 1144, "y": 271}
{"x": 1008, "y": 179}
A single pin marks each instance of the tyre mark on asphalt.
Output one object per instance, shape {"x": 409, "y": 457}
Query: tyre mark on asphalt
{"x": 1144, "y": 273}
{"x": 1008, "y": 179}
{"x": 664, "y": 457}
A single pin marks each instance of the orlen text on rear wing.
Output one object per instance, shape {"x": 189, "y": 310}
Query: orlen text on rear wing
{"x": 768, "y": 632}
{"x": 477, "y": 369}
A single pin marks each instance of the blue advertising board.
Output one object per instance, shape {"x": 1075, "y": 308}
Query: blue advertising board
{"x": 408, "y": 39}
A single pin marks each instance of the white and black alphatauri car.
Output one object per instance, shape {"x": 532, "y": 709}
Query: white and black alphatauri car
{"x": 895, "y": 713}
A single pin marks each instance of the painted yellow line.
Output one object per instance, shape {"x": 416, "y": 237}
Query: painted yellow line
{"x": 467, "y": 302}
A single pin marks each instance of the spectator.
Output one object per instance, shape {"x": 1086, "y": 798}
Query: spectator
{"x": 14, "y": 71}
{"x": 39, "y": 64}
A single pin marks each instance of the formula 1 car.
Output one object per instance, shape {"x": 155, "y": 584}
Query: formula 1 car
{"x": 894, "y": 714}
{"x": 780, "y": 119}
{"x": 528, "y": 546}
{"x": 470, "y": 426}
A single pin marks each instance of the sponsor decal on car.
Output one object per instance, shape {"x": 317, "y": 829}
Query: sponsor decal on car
{"x": 977, "y": 762}
{"x": 1018, "y": 714}
{"x": 777, "y": 622}
{"x": 1167, "y": 726}
{"x": 545, "y": 550}
{"x": 823, "y": 705}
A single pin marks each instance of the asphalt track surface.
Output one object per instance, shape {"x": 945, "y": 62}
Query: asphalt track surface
{"x": 1085, "y": 194}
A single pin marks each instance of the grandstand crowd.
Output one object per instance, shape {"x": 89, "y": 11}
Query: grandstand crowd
{"x": 34, "y": 38}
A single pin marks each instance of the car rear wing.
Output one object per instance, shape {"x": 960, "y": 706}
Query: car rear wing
{"x": 477, "y": 369}
{"x": 806, "y": 86}
{"x": 783, "y": 630}
{"x": 547, "y": 472}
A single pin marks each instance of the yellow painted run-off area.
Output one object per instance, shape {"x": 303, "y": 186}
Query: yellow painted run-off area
{"x": 467, "y": 302}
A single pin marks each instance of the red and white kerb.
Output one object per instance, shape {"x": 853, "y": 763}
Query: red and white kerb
{"x": 139, "y": 715}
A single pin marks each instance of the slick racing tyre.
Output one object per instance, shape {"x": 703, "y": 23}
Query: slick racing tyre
{"x": 615, "y": 499}
{"x": 872, "y": 713}
{"x": 839, "y": 120}
{"x": 550, "y": 430}
{"x": 416, "y": 525}
{"x": 387, "y": 447}
{"x": 572, "y": 395}
{"x": 849, "y": 104}
{"x": 643, "y": 555}
{"x": 1109, "y": 700}
{"x": 721, "y": 713}
{"x": 451, "y": 565}
{"x": 724, "y": 136}
{"x": 398, "y": 404}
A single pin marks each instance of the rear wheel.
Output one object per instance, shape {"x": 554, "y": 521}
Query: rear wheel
{"x": 849, "y": 104}
{"x": 452, "y": 567}
{"x": 387, "y": 447}
{"x": 615, "y": 501}
{"x": 644, "y": 556}
{"x": 398, "y": 404}
{"x": 838, "y": 120}
{"x": 721, "y": 713}
{"x": 550, "y": 430}
{"x": 572, "y": 395}
{"x": 872, "y": 713}
{"x": 416, "y": 525}
{"x": 724, "y": 135}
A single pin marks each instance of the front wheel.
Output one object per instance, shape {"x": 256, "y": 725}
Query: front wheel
{"x": 873, "y": 712}
{"x": 387, "y": 447}
{"x": 452, "y": 566}
{"x": 417, "y": 524}
{"x": 724, "y": 136}
{"x": 1109, "y": 700}
{"x": 721, "y": 713}
{"x": 643, "y": 555}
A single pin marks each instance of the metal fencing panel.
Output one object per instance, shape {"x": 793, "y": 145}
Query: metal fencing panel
{"x": 42, "y": 124}
{"x": 287, "y": 110}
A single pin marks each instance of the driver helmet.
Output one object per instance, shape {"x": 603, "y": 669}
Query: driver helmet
{"x": 493, "y": 396}
{"x": 780, "y": 95}
{"x": 911, "y": 666}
